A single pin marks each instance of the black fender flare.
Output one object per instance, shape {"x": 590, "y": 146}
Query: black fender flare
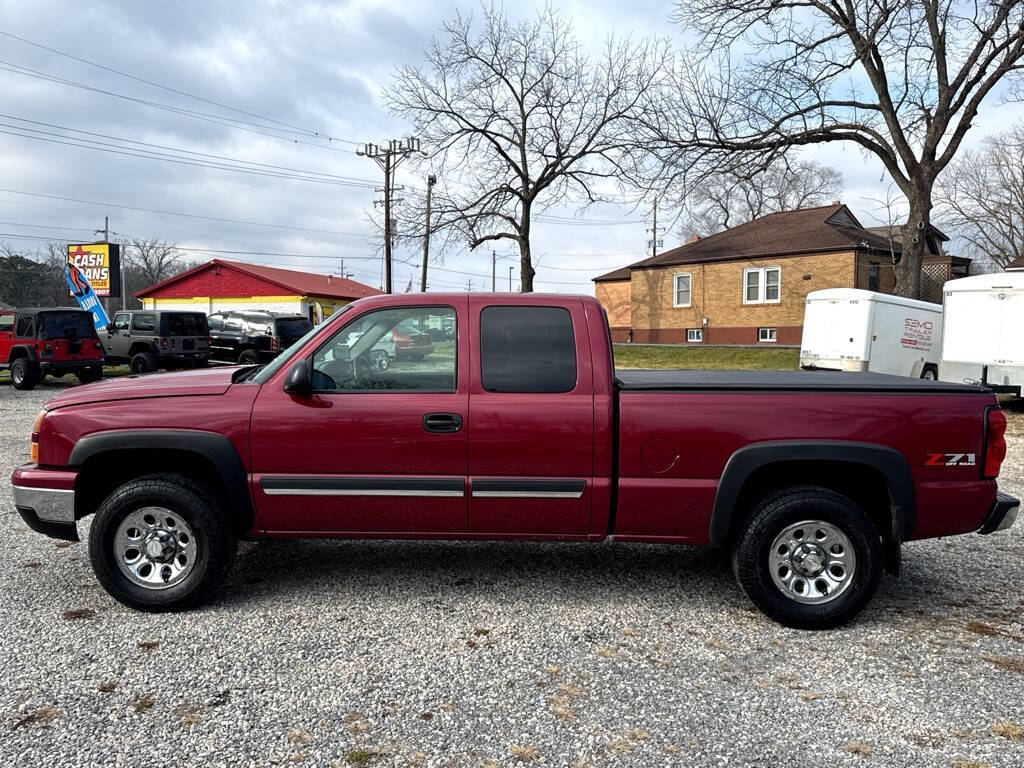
{"x": 889, "y": 462}
{"x": 29, "y": 351}
{"x": 150, "y": 347}
{"x": 215, "y": 448}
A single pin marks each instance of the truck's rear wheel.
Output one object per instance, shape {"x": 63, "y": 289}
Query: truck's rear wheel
{"x": 159, "y": 544}
{"x": 143, "y": 362}
{"x": 24, "y": 373}
{"x": 930, "y": 372}
{"x": 808, "y": 557}
{"x": 248, "y": 357}
{"x": 89, "y": 375}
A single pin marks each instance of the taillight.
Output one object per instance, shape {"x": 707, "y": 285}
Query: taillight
{"x": 995, "y": 443}
{"x": 275, "y": 343}
{"x": 163, "y": 342}
{"x": 38, "y": 425}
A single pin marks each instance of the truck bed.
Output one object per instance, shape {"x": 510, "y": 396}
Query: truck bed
{"x": 781, "y": 381}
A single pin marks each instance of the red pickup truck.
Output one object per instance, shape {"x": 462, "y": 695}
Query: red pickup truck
{"x": 516, "y": 427}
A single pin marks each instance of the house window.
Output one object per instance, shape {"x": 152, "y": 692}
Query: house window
{"x": 681, "y": 290}
{"x": 694, "y": 335}
{"x": 873, "y": 277}
{"x": 766, "y": 335}
{"x": 762, "y": 285}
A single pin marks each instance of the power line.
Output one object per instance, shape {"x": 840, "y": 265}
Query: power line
{"x": 306, "y": 131}
{"x": 186, "y": 215}
{"x": 224, "y": 158}
{"x": 228, "y": 122}
{"x": 177, "y": 161}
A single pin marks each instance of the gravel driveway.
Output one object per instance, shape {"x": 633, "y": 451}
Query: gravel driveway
{"x": 328, "y": 653}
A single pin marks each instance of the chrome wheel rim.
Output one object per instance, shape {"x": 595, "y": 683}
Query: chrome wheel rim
{"x": 812, "y": 562}
{"x": 155, "y": 548}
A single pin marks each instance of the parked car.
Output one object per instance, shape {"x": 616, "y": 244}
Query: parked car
{"x": 41, "y": 341}
{"x": 254, "y": 336}
{"x": 847, "y": 329}
{"x": 152, "y": 339}
{"x": 812, "y": 481}
{"x": 410, "y": 342}
{"x": 983, "y": 337}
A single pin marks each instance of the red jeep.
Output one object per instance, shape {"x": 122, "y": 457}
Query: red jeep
{"x": 59, "y": 340}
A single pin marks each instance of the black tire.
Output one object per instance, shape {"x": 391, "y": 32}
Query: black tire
{"x": 24, "y": 373}
{"x": 214, "y": 544}
{"x": 143, "y": 362}
{"x": 771, "y": 516}
{"x": 248, "y": 357}
{"x": 89, "y": 375}
{"x": 930, "y": 372}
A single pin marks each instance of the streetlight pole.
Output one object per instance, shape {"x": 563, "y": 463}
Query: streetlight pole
{"x": 431, "y": 181}
{"x": 510, "y": 279}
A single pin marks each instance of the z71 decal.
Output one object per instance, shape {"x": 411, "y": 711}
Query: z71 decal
{"x": 950, "y": 460}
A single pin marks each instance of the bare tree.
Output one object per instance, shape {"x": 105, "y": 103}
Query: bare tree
{"x": 150, "y": 261}
{"x": 515, "y": 117}
{"x": 34, "y": 279}
{"x": 981, "y": 198}
{"x": 727, "y": 199}
{"x": 902, "y": 79}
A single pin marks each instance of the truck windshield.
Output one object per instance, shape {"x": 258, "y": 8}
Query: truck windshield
{"x": 267, "y": 371}
{"x": 64, "y": 325}
{"x": 183, "y": 324}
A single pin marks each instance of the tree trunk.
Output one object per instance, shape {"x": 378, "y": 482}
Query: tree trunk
{"x": 525, "y": 258}
{"x": 915, "y": 246}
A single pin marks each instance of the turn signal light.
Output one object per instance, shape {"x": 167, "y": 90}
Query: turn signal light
{"x": 38, "y": 425}
{"x": 995, "y": 442}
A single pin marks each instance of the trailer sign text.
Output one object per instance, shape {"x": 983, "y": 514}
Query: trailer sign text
{"x": 917, "y": 333}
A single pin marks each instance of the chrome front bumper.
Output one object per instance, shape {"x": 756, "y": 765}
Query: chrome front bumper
{"x": 50, "y": 511}
{"x": 50, "y": 504}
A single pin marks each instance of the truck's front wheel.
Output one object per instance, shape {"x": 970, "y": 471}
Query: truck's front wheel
{"x": 808, "y": 557}
{"x": 158, "y": 544}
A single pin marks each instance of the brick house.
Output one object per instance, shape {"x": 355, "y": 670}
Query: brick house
{"x": 220, "y": 285}
{"x": 748, "y": 284}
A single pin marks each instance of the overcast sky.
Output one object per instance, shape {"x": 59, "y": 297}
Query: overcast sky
{"x": 312, "y": 66}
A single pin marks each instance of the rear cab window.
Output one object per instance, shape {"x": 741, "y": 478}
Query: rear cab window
{"x": 183, "y": 324}
{"x": 292, "y": 328}
{"x": 66, "y": 325}
{"x": 527, "y": 349}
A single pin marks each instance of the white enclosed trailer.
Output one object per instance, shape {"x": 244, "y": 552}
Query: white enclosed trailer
{"x": 847, "y": 329}
{"x": 983, "y": 337}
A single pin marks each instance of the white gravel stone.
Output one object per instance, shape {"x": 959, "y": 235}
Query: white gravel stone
{"x": 329, "y": 653}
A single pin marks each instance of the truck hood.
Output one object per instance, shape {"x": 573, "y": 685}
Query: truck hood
{"x": 212, "y": 381}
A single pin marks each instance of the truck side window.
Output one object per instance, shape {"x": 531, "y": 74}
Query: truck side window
{"x": 404, "y": 349}
{"x": 24, "y": 328}
{"x": 527, "y": 349}
{"x": 144, "y": 323}
{"x": 216, "y": 322}
{"x": 121, "y": 320}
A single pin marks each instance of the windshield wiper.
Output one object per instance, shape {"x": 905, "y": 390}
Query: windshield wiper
{"x": 244, "y": 374}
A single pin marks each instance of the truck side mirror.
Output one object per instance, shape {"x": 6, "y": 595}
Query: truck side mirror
{"x": 299, "y": 381}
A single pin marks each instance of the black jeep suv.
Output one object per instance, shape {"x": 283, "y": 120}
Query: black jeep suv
{"x": 253, "y": 336}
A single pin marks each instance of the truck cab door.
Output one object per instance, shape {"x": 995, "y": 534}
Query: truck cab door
{"x": 373, "y": 449}
{"x": 6, "y": 335}
{"x": 531, "y": 411}
{"x": 117, "y": 341}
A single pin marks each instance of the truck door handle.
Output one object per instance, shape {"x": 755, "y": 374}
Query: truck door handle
{"x": 442, "y": 422}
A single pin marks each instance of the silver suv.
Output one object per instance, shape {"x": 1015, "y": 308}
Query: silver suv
{"x": 152, "y": 339}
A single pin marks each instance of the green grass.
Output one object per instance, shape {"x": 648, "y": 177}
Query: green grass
{"x": 733, "y": 358}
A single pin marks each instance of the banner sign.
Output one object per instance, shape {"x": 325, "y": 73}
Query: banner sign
{"x": 85, "y": 295}
{"x": 101, "y": 265}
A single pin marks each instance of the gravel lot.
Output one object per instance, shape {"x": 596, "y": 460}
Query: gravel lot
{"x": 436, "y": 654}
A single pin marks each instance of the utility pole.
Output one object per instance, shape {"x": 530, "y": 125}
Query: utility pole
{"x": 431, "y": 181}
{"x": 494, "y": 261}
{"x": 654, "y": 242}
{"x": 510, "y": 279}
{"x": 388, "y": 158}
